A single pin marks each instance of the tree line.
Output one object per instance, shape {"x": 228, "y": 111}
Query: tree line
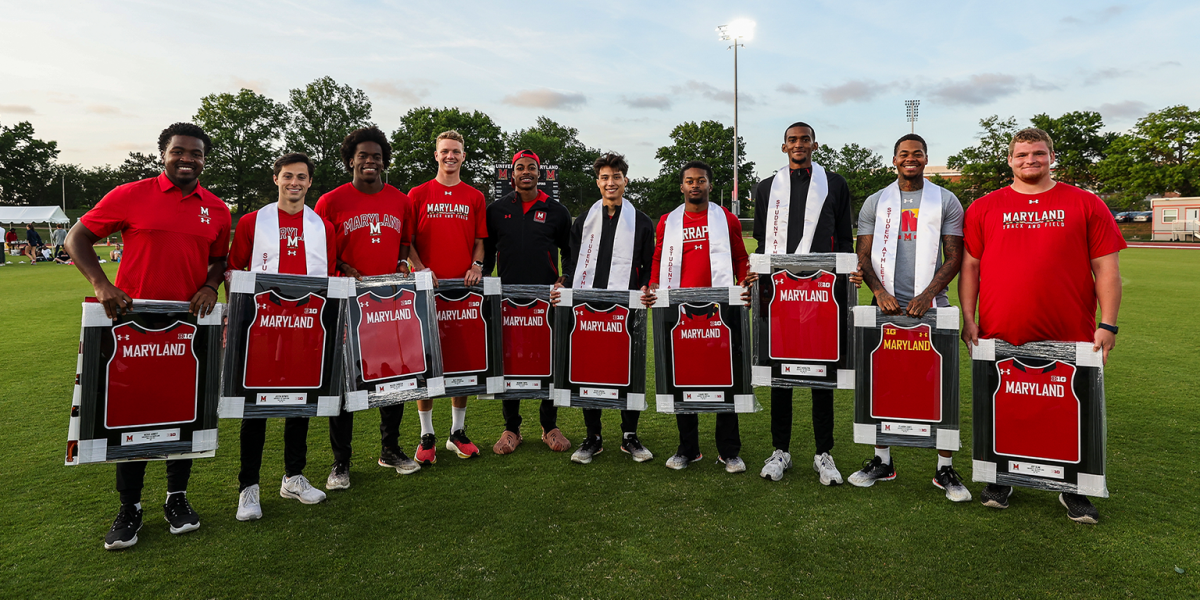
{"x": 249, "y": 130}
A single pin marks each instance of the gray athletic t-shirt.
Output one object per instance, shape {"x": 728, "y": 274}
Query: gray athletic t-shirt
{"x": 906, "y": 244}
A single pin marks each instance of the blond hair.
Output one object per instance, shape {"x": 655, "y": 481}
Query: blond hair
{"x": 1030, "y": 135}
{"x": 451, "y": 135}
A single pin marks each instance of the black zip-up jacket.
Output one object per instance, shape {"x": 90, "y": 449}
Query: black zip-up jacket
{"x": 643, "y": 248}
{"x": 525, "y": 245}
{"x": 835, "y": 226}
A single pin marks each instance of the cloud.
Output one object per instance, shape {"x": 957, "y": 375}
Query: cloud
{"x": 1129, "y": 109}
{"x": 258, "y": 86}
{"x": 711, "y": 92}
{"x": 1100, "y": 16}
{"x": 852, "y": 91}
{"x": 104, "y": 109}
{"x": 661, "y": 102}
{"x": 788, "y": 88}
{"x": 976, "y": 89}
{"x": 17, "y": 109}
{"x": 397, "y": 90}
{"x": 545, "y": 98}
{"x": 1105, "y": 74}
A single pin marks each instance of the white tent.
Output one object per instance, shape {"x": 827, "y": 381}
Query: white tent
{"x": 33, "y": 214}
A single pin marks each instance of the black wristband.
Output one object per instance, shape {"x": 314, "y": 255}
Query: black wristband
{"x": 215, "y": 291}
{"x": 1107, "y": 327}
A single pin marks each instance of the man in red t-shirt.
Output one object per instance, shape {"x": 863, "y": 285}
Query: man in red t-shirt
{"x": 1040, "y": 255}
{"x": 453, "y": 215}
{"x": 285, "y": 237}
{"x": 176, "y": 237}
{"x": 698, "y": 256}
{"x": 373, "y": 225}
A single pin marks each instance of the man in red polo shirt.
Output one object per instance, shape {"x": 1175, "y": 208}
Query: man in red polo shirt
{"x": 452, "y": 215}
{"x": 285, "y": 237}
{"x": 1039, "y": 256}
{"x": 373, "y": 223}
{"x": 176, "y": 237}
{"x": 688, "y": 233}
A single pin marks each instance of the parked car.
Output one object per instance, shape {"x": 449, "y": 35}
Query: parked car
{"x": 1123, "y": 217}
{"x": 1142, "y": 217}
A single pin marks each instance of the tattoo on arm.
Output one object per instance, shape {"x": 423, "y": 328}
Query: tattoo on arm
{"x": 864, "y": 259}
{"x": 952, "y": 248}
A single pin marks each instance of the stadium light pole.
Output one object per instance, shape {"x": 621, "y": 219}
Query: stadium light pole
{"x": 736, "y": 31}
{"x": 910, "y": 108}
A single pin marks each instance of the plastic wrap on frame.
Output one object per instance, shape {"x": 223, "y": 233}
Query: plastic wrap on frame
{"x": 491, "y": 379}
{"x": 872, "y": 429}
{"x": 390, "y": 390}
{"x": 631, "y": 396}
{"x": 1086, "y": 475}
{"x": 90, "y": 441}
{"x": 670, "y": 398}
{"x": 240, "y": 402}
{"x": 787, "y": 372}
{"x": 527, "y": 387}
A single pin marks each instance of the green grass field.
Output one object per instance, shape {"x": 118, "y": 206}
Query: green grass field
{"x": 534, "y": 525}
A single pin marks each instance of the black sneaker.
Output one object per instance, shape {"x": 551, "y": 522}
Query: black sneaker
{"x": 590, "y": 447}
{"x": 398, "y": 460}
{"x": 1079, "y": 508}
{"x": 632, "y": 446}
{"x": 339, "y": 477}
{"x": 996, "y": 496}
{"x": 180, "y": 514}
{"x": 949, "y": 480}
{"x": 873, "y": 470}
{"x": 124, "y": 528}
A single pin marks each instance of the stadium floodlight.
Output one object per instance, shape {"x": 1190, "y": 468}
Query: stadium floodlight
{"x": 910, "y": 108}
{"x": 736, "y": 31}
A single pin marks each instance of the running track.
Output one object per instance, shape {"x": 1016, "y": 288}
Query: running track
{"x": 1170, "y": 246}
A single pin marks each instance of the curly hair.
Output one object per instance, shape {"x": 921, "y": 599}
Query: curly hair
{"x": 365, "y": 134}
{"x": 696, "y": 164}
{"x": 186, "y": 129}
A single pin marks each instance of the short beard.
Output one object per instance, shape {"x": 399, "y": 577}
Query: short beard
{"x": 699, "y": 200}
{"x": 1024, "y": 180}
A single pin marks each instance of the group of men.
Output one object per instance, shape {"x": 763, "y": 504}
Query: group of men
{"x": 176, "y": 235}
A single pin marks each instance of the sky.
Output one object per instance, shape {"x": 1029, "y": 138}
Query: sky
{"x": 103, "y": 78}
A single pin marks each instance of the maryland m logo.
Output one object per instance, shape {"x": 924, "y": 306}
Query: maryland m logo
{"x": 375, "y": 228}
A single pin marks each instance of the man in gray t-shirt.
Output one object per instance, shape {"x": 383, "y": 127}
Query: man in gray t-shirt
{"x": 910, "y": 157}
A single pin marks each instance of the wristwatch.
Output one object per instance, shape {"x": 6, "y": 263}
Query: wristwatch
{"x": 1107, "y": 327}
{"x": 478, "y": 264}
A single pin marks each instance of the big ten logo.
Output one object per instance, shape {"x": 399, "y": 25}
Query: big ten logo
{"x": 825, "y": 284}
{"x": 618, "y": 317}
{"x": 539, "y": 311}
{"x": 1058, "y": 379}
{"x": 405, "y": 303}
{"x": 714, "y": 323}
{"x": 311, "y": 311}
{"x": 890, "y": 331}
{"x": 186, "y": 336}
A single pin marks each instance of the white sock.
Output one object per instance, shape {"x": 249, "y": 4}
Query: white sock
{"x": 138, "y": 506}
{"x": 169, "y": 494}
{"x": 945, "y": 461}
{"x": 885, "y": 454}
{"x": 426, "y": 421}
{"x": 458, "y": 418}
{"x": 629, "y": 434}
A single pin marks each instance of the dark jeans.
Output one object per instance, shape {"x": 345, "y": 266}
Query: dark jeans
{"x": 132, "y": 475}
{"x": 729, "y": 440}
{"x": 511, "y": 409}
{"x": 629, "y": 420}
{"x": 822, "y": 418}
{"x": 254, "y": 436}
{"x": 341, "y": 431}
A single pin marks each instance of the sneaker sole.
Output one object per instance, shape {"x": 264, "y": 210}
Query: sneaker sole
{"x": 295, "y": 496}
{"x": 336, "y": 486}
{"x": 679, "y": 468}
{"x": 1085, "y": 519}
{"x": 244, "y": 518}
{"x": 588, "y": 461}
{"x": 451, "y": 447}
{"x": 770, "y": 477}
{"x": 121, "y": 545}
{"x": 426, "y": 463}
{"x": 635, "y": 458}
{"x": 870, "y": 482}
{"x": 824, "y": 481}
{"x": 966, "y": 498}
{"x": 184, "y": 528}
{"x": 996, "y": 503}
{"x": 402, "y": 470}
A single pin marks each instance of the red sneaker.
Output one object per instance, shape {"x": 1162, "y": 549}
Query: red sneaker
{"x": 459, "y": 444}
{"x": 426, "y": 454}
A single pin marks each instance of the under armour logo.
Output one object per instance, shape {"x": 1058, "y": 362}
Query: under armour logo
{"x": 291, "y": 252}
{"x": 205, "y": 220}
{"x": 375, "y": 240}
{"x": 1033, "y": 201}
{"x": 448, "y": 192}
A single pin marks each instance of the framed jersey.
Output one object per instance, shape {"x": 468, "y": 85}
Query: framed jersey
{"x": 802, "y": 325}
{"x": 1039, "y": 419}
{"x": 700, "y": 360}
{"x": 469, "y": 322}
{"x": 527, "y": 343}
{"x": 600, "y": 352}
{"x": 146, "y": 384}
{"x": 393, "y": 352}
{"x": 283, "y": 348}
{"x": 906, "y": 387}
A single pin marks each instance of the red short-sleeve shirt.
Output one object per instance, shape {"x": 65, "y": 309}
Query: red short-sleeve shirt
{"x": 291, "y": 259}
{"x": 169, "y": 238}
{"x": 696, "y": 269}
{"x": 369, "y": 228}
{"x": 1035, "y": 270}
{"x": 448, "y": 221}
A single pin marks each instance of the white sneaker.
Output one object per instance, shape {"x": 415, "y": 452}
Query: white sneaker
{"x": 298, "y": 488}
{"x": 733, "y": 465}
{"x": 823, "y": 465}
{"x": 249, "y": 508}
{"x": 776, "y": 464}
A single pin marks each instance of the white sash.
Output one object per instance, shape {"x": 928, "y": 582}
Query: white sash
{"x": 779, "y": 207}
{"x": 887, "y": 233}
{"x": 720, "y": 258}
{"x": 266, "y": 242}
{"x": 622, "y": 251}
